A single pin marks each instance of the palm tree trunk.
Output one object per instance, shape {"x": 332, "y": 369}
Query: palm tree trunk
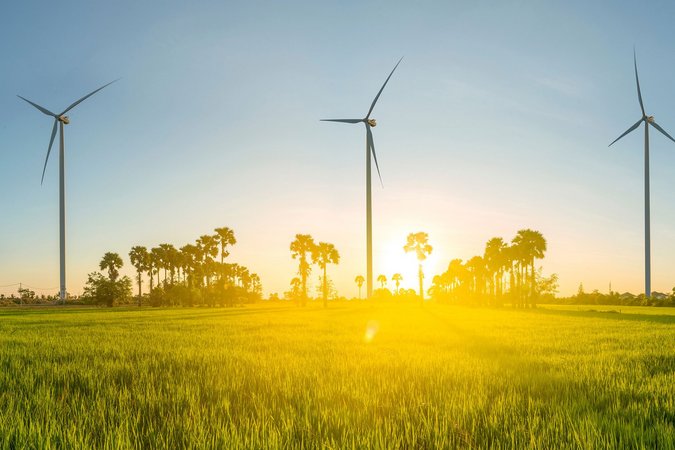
{"x": 533, "y": 285}
{"x": 139, "y": 288}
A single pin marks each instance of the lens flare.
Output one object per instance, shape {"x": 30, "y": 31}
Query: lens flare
{"x": 371, "y": 330}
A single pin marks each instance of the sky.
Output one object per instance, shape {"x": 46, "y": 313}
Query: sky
{"x": 498, "y": 119}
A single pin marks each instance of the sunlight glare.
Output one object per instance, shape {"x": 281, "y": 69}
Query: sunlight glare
{"x": 371, "y": 330}
{"x": 392, "y": 259}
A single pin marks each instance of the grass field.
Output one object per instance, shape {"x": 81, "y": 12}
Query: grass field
{"x": 351, "y": 376}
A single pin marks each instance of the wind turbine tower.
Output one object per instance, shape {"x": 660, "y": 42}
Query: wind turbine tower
{"x": 648, "y": 120}
{"x": 59, "y": 121}
{"x": 370, "y": 150}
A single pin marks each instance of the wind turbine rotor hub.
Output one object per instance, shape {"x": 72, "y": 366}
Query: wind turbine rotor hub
{"x": 650, "y": 119}
{"x": 372, "y": 122}
{"x": 64, "y": 119}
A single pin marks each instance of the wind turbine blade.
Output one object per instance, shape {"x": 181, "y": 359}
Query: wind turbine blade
{"x": 49, "y": 149}
{"x": 637, "y": 124}
{"x": 382, "y": 88}
{"x": 342, "y": 120}
{"x": 637, "y": 81}
{"x": 86, "y": 97}
{"x": 371, "y": 145}
{"x": 656, "y": 125}
{"x": 43, "y": 110}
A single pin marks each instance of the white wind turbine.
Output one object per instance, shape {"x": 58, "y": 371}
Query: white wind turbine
{"x": 370, "y": 149}
{"x": 60, "y": 120}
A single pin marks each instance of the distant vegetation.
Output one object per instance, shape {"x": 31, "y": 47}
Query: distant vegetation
{"x": 107, "y": 291}
{"x": 305, "y": 250}
{"x": 503, "y": 274}
{"x": 197, "y": 274}
{"x": 615, "y": 298}
{"x": 194, "y": 275}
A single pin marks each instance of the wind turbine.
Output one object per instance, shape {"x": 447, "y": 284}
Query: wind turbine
{"x": 60, "y": 120}
{"x": 370, "y": 147}
{"x": 648, "y": 120}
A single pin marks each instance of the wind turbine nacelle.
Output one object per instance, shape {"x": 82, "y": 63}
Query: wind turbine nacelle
{"x": 372, "y": 122}
{"x": 650, "y": 119}
{"x": 64, "y": 119}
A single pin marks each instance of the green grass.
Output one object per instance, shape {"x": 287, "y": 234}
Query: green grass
{"x": 284, "y": 377}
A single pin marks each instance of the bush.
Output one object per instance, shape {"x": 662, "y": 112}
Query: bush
{"x": 104, "y": 291}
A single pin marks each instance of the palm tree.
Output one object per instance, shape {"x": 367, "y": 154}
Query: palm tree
{"x": 296, "y": 287}
{"x": 300, "y": 248}
{"x": 235, "y": 272}
{"x": 456, "y": 273}
{"x": 397, "y": 279}
{"x": 324, "y": 254}
{"x": 163, "y": 253}
{"x": 171, "y": 261}
{"x": 419, "y": 243}
{"x": 510, "y": 254}
{"x": 209, "y": 250}
{"x": 139, "y": 259}
{"x": 156, "y": 259}
{"x": 188, "y": 260}
{"x": 382, "y": 279}
{"x": 180, "y": 261}
{"x": 476, "y": 267}
{"x": 198, "y": 264}
{"x": 533, "y": 247}
{"x": 256, "y": 287}
{"x": 518, "y": 254}
{"x": 493, "y": 261}
{"x": 112, "y": 263}
{"x": 245, "y": 277}
{"x": 224, "y": 236}
{"x": 359, "y": 280}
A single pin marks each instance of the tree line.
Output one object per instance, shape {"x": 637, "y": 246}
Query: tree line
{"x": 198, "y": 274}
{"x": 194, "y": 274}
{"x": 505, "y": 273}
{"x": 307, "y": 252}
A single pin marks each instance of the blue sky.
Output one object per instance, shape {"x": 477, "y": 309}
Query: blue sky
{"x": 497, "y": 119}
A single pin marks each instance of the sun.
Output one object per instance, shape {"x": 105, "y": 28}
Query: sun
{"x": 391, "y": 259}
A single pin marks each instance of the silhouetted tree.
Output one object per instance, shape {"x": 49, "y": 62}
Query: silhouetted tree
{"x": 382, "y": 279}
{"x": 112, "y": 263}
{"x": 301, "y": 248}
{"x": 209, "y": 250}
{"x": 139, "y": 259}
{"x": 107, "y": 291}
{"x": 296, "y": 289}
{"x": 494, "y": 263}
{"x": 419, "y": 243}
{"x": 359, "y": 280}
{"x": 324, "y": 254}
{"x": 455, "y": 276}
{"x": 224, "y": 237}
{"x": 397, "y": 279}
{"x": 533, "y": 246}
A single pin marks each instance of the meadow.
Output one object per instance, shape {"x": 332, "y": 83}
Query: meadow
{"x": 352, "y": 375}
